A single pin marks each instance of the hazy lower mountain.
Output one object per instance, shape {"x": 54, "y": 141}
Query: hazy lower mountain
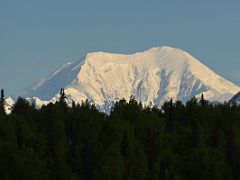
{"x": 154, "y": 75}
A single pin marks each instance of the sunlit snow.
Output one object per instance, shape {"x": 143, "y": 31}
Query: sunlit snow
{"x": 154, "y": 75}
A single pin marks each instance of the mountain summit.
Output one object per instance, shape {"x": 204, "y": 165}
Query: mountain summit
{"x": 154, "y": 75}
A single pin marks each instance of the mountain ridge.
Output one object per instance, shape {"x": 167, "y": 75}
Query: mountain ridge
{"x": 153, "y": 75}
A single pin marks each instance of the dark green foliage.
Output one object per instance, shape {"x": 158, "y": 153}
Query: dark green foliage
{"x": 2, "y": 94}
{"x": 2, "y": 102}
{"x": 193, "y": 141}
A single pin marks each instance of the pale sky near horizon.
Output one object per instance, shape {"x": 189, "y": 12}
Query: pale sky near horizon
{"x": 38, "y": 36}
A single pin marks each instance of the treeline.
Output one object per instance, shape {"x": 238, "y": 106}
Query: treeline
{"x": 193, "y": 141}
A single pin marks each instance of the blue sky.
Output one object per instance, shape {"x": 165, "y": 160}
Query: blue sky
{"x": 38, "y": 36}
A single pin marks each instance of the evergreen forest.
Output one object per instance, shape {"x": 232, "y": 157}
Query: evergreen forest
{"x": 196, "y": 140}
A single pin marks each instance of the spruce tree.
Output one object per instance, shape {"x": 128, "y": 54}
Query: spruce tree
{"x": 2, "y": 94}
{"x": 125, "y": 154}
{"x": 62, "y": 95}
{"x": 2, "y": 100}
{"x": 202, "y": 100}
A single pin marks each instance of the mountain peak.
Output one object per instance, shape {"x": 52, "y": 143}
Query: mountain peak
{"x": 163, "y": 48}
{"x": 153, "y": 75}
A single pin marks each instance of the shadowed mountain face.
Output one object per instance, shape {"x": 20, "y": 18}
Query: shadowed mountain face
{"x": 235, "y": 99}
{"x": 153, "y": 76}
{"x": 47, "y": 87}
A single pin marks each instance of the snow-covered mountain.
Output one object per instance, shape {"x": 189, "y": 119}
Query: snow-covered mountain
{"x": 235, "y": 99}
{"x": 154, "y": 75}
{"x": 8, "y": 104}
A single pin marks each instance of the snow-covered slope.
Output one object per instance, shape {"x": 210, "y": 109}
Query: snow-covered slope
{"x": 235, "y": 99}
{"x": 153, "y": 76}
{"x": 47, "y": 87}
{"x": 8, "y": 105}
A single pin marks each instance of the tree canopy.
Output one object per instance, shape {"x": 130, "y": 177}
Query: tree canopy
{"x": 196, "y": 140}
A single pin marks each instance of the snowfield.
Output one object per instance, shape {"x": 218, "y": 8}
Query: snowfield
{"x": 154, "y": 75}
